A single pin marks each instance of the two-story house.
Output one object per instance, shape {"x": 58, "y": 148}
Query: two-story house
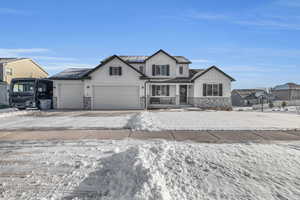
{"x": 17, "y": 68}
{"x": 137, "y": 82}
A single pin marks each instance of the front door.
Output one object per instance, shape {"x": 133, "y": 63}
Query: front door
{"x": 183, "y": 94}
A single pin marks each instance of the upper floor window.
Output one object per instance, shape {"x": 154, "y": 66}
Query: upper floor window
{"x": 9, "y": 71}
{"x": 181, "y": 70}
{"x": 212, "y": 89}
{"x": 141, "y": 69}
{"x": 115, "y": 71}
{"x": 160, "y": 70}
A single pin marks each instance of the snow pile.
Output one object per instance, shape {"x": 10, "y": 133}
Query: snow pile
{"x": 11, "y": 112}
{"x": 139, "y": 170}
{"x": 168, "y": 171}
{"x": 144, "y": 121}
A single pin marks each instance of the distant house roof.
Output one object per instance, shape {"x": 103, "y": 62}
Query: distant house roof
{"x": 287, "y": 86}
{"x": 71, "y": 74}
{"x": 244, "y": 93}
{"x": 7, "y": 60}
{"x": 142, "y": 59}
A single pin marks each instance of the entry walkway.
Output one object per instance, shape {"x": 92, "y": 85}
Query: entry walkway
{"x": 196, "y": 136}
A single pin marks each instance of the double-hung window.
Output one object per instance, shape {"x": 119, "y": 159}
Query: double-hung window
{"x": 160, "y": 90}
{"x": 212, "y": 89}
{"x": 160, "y": 70}
{"x": 181, "y": 70}
{"x": 115, "y": 71}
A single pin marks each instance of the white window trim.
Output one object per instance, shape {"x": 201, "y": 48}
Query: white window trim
{"x": 160, "y": 95}
{"x": 212, "y": 90}
{"x": 162, "y": 75}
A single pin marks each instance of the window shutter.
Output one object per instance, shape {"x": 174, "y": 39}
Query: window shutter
{"x": 168, "y": 90}
{"x": 220, "y": 89}
{"x": 153, "y": 70}
{"x": 168, "y": 70}
{"x": 120, "y": 71}
{"x": 204, "y": 89}
{"x": 153, "y": 90}
{"x": 110, "y": 71}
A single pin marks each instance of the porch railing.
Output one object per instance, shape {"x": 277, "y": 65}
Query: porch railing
{"x": 162, "y": 100}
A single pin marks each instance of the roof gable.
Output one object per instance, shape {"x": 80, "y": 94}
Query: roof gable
{"x": 201, "y": 73}
{"x": 161, "y": 51}
{"x": 110, "y": 59}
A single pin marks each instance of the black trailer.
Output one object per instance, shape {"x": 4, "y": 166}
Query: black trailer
{"x": 30, "y": 92}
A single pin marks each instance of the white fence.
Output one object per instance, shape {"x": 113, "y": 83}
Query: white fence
{"x": 3, "y": 93}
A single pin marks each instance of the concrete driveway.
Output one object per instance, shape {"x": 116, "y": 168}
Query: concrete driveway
{"x": 196, "y": 136}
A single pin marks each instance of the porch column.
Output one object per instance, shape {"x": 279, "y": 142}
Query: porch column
{"x": 177, "y": 100}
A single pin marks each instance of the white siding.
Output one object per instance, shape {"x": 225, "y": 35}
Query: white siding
{"x": 137, "y": 66}
{"x": 212, "y": 76}
{"x": 161, "y": 59}
{"x": 185, "y": 70}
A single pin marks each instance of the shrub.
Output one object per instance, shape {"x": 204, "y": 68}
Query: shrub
{"x": 271, "y": 105}
{"x": 283, "y": 104}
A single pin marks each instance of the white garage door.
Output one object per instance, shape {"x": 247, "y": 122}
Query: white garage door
{"x": 116, "y": 97}
{"x": 71, "y": 96}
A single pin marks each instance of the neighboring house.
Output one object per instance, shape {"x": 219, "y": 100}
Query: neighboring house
{"x": 17, "y": 68}
{"x": 138, "y": 82}
{"x": 245, "y": 97}
{"x": 20, "y": 68}
{"x": 286, "y": 92}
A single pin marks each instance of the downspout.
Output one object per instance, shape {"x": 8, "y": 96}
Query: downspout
{"x": 145, "y": 93}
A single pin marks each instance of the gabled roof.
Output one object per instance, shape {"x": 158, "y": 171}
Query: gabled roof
{"x": 247, "y": 92}
{"x": 201, "y": 73}
{"x": 108, "y": 60}
{"x": 143, "y": 59}
{"x": 287, "y": 86}
{"x": 178, "y": 59}
{"x": 9, "y": 60}
{"x": 71, "y": 74}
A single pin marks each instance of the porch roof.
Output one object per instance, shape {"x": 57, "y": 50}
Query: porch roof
{"x": 173, "y": 80}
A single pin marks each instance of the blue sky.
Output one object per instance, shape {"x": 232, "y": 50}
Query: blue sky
{"x": 257, "y": 42}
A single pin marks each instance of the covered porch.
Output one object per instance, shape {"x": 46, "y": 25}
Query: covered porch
{"x": 168, "y": 95}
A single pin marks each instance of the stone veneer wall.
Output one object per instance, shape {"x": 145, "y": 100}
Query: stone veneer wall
{"x": 211, "y": 102}
{"x": 87, "y": 103}
{"x": 54, "y": 102}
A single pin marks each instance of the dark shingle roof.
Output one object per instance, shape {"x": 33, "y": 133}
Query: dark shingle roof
{"x": 192, "y": 72}
{"x": 287, "y": 86}
{"x": 6, "y": 60}
{"x": 141, "y": 59}
{"x": 71, "y": 74}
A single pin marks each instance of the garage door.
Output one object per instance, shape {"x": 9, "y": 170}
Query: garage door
{"x": 71, "y": 96}
{"x": 116, "y": 97}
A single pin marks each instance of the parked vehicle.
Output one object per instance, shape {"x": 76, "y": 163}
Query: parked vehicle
{"x": 30, "y": 93}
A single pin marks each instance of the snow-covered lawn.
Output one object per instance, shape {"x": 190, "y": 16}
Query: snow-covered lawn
{"x": 137, "y": 170}
{"x": 217, "y": 120}
{"x": 152, "y": 120}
